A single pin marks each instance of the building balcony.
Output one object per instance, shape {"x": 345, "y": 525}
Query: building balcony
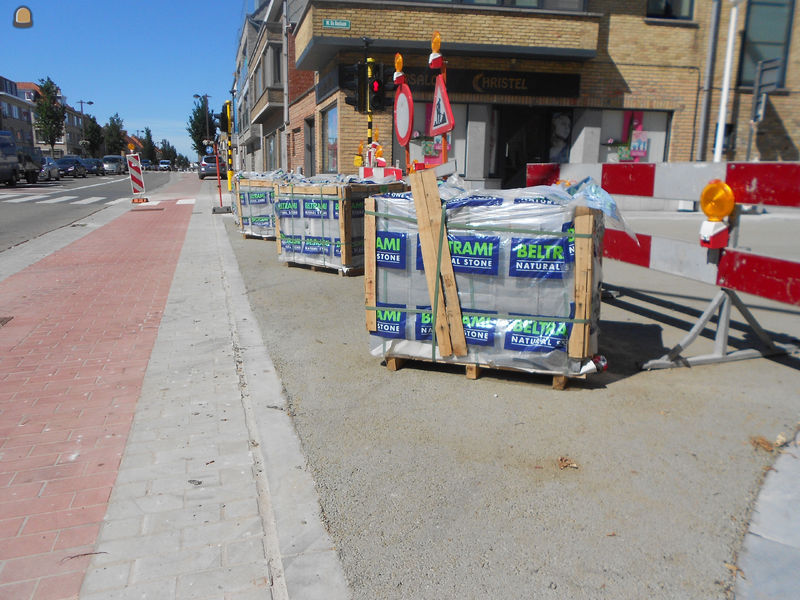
{"x": 266, "y": 106}
{"x": 475, "y": 30}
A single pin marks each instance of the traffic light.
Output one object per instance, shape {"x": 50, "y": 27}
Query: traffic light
{"x": 377, "y": 91}
{"x": 223, "y": 119}
{"x": 354, "y": 78}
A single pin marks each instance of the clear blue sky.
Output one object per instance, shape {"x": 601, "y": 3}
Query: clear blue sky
{"x": 143, "y": 60}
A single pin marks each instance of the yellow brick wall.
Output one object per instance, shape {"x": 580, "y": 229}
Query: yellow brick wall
{"x": 640, "y": 63}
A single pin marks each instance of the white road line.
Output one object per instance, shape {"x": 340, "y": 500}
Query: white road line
{"x": 118, "y": 201}
{"x": 186, "y": 201}
{"x": 89, "y": 200}
{"x": 25, "y": 199}
{"x": 57, "y": 199}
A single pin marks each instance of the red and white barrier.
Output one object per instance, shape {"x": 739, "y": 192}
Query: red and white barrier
{"x": 767, "y": 183}
{"x": 379, "y": 173}
{"x": 137, "y": 180}
{"x": 732, "y": 270}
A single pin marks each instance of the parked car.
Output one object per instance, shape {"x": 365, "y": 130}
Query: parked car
{"x": 49, "y": 169}
{"x": 93, "y": 166}
{"x": 164, "y": 165}
{"x": 208, "y": 167}
{"x": 71, "y": 166}
{"x": 28, "y": 167}
{"x": 114, "y": 164}
{"x": 147, "y": 164}
{"x": 9, "y": 162}
{"x": 101, "y": 170}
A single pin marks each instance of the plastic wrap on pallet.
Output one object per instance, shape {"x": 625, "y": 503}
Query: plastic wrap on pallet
{"x": 257, "y": 214}
{"x": 514, "y": 264}
{"x": 310, "y": 229}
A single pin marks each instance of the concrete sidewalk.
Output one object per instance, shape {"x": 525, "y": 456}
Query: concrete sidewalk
{"x": 211, "y": 498}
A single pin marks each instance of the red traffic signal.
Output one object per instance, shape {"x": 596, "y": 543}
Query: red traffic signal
{"x": 377, "y": 95}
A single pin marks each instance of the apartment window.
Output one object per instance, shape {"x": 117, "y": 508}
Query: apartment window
{"x": 670, "y": 9}
{"x": 4, "y": 108}
{"x": 766, "y": 36}
{"x": 259, "y": 81}
{"x": 330, "y": 140}
{"x": 275, "y": 50}
{"x": 15, "y": 111}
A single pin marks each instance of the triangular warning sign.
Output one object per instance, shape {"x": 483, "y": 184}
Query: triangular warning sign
{"x": 442, "y": 117}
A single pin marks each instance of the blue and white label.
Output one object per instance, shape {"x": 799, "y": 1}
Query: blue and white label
{"x": 423, "y": 324}
{"x": 292, "y": 243}
{"x": 288, "y": 208}
{"x": 259, "y": 197}
{"x": 541, "y": 258}
{"x": 317, "y": 245}
{"x": 390, "y": 249}
{"x": 526, "y": 335}
{"x": 479, "y": 329}
{"x": 391, "y": 322}
{"x": 475, "y": 200}
{"x": 478, "y": 254}
{"x": 243, "y": 198}
{"x": 314, "y": 208}
{"x": 263, "y": 221}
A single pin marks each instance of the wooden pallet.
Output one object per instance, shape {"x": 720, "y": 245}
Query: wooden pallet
{"x": 474, "y": 371}
{"x": 449, "y": 327}
{"x": 344, "y": 272}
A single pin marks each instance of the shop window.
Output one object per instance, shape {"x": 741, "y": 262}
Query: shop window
{"x": 670, "y": 9}
{"x": 766, "y": 36}
{"x": 330, "y": 140}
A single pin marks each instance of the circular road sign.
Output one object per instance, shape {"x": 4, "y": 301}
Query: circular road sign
{"x": 403, "y": 114}
{"x": 209, "y": 149}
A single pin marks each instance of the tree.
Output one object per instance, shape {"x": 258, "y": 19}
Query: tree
{"x": 168, "y": 151}
{"x": 113, "y": 134}
{"x": 149, "y": 150}
{"x": 181, "y": 162}
{"x": 50, "y": 113}
{"x": 93, "y": 134}
{"x": 200, "y": 119}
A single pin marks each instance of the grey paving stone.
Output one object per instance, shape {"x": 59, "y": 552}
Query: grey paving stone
{"x": 128, "y": 549}
{"x": 222, "y": 532}
{"x": 243, "y": 551}
{"x": 184, "y": 561}
{"x": 227, "y": 580}
{"x": 114, "y": 529}
{"x": 181, "y": 519}
{"x": 315, "y": 575}
{"x": 155, "y": 590}
{"x": 107, "y": 577}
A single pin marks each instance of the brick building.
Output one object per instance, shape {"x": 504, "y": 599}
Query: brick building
{"x": 16, "y": 115}
{"x": 543, "y": 80}
{"x": 67, "y": 144}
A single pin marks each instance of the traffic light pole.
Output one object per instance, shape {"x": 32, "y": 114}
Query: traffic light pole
{"x": 370, "y": 65}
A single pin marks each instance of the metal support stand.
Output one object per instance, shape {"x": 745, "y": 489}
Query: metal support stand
{"x": 721, "y": 303}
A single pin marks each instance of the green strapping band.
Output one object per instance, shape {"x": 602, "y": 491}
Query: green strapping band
{"x": 499, "y": 317}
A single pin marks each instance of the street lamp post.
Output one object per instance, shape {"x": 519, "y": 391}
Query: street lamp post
{"x": 83, "y": 125}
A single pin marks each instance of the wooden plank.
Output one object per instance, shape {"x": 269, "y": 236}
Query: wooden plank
{"x": 428, "y": 246}
{"x": 429, "y": 194}
{"x": 394, "y": 363}
{"x": 584, "y": 266}
{"x": 370, "y": 270}
{"x": 560, "y": 382}
{"x": 277, "y": 230}
{"x": 473, "y": 371}
{"x": 345, "y": 230}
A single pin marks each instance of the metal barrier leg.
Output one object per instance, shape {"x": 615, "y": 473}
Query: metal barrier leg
{"x": 722, "y": 302}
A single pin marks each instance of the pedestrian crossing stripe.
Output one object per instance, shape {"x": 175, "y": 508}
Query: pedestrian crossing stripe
{"x": 186, "y": 201}
{"x": 25, "y": 199}
{"x": 89, "y": 200}
{"x": 118, "y": 201}
{"x": 57, "y": 199}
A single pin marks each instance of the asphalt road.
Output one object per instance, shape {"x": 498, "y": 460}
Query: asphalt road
{"x": 28, "y": 211}
{"x": 435, "y": 486}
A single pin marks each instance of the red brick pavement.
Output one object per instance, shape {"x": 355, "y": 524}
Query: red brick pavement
{"x": 72, "y": 361}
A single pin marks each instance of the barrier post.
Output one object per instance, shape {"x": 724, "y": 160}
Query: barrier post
{"x": 137, "y": 180}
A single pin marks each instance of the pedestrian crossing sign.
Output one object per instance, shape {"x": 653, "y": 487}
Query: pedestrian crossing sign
{"x": 442, "y": 115}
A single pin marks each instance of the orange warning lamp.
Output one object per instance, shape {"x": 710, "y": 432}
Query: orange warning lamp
{"x": 399, "y": 77}
{"x": 435, "y": 59}
{"x": 717, "y": 202}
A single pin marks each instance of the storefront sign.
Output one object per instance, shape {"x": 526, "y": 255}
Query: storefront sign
{"x": 507, "y": 83}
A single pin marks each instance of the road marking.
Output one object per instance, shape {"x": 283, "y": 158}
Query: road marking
{"x": 58, "y": 199}
{"x": 88, "y": 200}
{"x": 118, "y": 201}
{"x": 25, "y": 199}
{"x": 186, "y": 201}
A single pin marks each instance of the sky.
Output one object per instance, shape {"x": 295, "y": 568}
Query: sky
{"x": 144, "y": 60}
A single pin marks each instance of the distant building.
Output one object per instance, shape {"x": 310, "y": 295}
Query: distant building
{"x": 69, "y": 143}
{"x": 16, "y": 114}
{"x": 577, "y": 81}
